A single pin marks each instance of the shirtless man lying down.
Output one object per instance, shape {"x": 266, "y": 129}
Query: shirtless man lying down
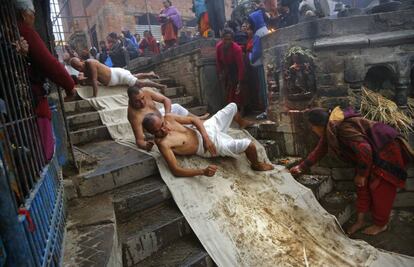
{"x": 94, "y": 72}
{"x": 141, "y": 102}
{"x": 173, "y": 137}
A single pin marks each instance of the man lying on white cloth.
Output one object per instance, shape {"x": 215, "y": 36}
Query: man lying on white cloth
{"x": 141, "y": 102}
{"x": 173, "y": 137}
{"x": 94, "y": 72}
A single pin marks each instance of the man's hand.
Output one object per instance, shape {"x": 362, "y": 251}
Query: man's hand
{"x": 360, "y": 181}
{"x": 149, "y": 145}
{"x": 296, "y": 170}
{"x": 22, "y": 47}
{"x": 210, "y": 170}
{"x": 209, "y": 146}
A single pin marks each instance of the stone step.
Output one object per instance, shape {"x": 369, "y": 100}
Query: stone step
{"x": 198, "y": 110}
{"x": 320, "y": 185}
{"x": 273, "y": 150}
{"x": 76, "y": 107}
{"x": 117, "y": 165}
{"x": 184, "y": 100}
{"x": 84, "y": 120}
{"x": 341, "y": 204}
{"x": 174, "y": 91}
{"x": 139, "y": 196}
{"x": 96, "y": 133}
{"x": 186, "y": 252}
{"x": 166, "y": 81}
{"x": 150, "y": 231}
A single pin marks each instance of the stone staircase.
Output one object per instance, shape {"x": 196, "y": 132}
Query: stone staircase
{"x": 120, "y": 212}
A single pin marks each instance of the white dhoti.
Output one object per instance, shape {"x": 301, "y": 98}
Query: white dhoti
{"x": 216, "y": 128}
{"x": 176, "y": 109}
{"x": 120, "y": 76}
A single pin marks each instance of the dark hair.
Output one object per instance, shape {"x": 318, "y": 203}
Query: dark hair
{"x": 113, "y": 35}
{"x": 133, "y": 90}
{"x": 169, "y": 2}
{"x": 318, "y": 117}
{"x": 228, "y": 31}
{"x": 148, "y": 121}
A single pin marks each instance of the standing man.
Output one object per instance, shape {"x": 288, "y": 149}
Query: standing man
{"x": 257, "y": 22}
{"x": 117, "y": 51}
{"x": 171, "y": 22}
{"x": 230, "y": 67}
{"x": 217, "y": 16}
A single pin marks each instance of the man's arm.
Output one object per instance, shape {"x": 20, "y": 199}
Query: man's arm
{"x": 171, "y": 160}
{"x": 149, "y": 83}
{"x": 157, "y": 97}
{"x": 139, "y": 134}
{"x": 208, "y": 145}
{"x": 93, "y": 76}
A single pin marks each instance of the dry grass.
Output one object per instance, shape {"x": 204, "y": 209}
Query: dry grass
{"x": 376, "y": 107}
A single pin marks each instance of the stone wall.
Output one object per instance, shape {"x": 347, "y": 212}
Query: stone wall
{"x": 346, "y": 49}
{"x": 191, "y": 65}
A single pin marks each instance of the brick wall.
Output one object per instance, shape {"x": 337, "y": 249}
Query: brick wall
{"x": 112, "y": 15}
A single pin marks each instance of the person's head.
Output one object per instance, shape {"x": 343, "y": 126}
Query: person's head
{"x": 77, "y": 64}
{"x": 137, "y": 37}
{"x": 26, "y": 12}
{"x": 244, "y": 26}
{"x": 227, "y": 37}
{"x": 136, "y": 97}
{"x": 166, "y": 3}
{"x": 102, "y": 45}
{"x": 112, "y": 38}
{"x": 93, "y": 51}
{"x": 154, "y": 124}
{"x": 318, "y": 119}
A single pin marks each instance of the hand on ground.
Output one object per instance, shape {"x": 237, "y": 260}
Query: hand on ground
{"x": 149, "y": 145}
{"x": 296, "y": 170}
{"x": 210, "y": 170}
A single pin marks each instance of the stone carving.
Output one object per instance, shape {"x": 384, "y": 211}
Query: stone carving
{"x": 299, "y": 76}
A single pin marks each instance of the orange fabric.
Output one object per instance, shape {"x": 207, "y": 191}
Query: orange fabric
{"x": 169, "y": 31}
{"x": 204, "y": 25}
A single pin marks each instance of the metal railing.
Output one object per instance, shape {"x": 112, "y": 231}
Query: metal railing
{"x": 31, "y": 190}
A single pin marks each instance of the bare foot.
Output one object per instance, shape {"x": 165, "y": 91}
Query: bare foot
{"x": 204, "y": 117}
{"x": 355, "y": 227}
{"x": 245, "y": 123}
{"x": 152, "y": 74}
{"x": 261, "y": 166}
{"x": 375, "y": 229}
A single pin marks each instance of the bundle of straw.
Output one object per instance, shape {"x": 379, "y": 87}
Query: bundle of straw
{"x": 376, "y": 107}
{"x": 410, "y": 104}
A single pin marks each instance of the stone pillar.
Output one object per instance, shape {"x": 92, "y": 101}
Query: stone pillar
{"x": 354, "y": 75}
{"x": 401, "y": 92}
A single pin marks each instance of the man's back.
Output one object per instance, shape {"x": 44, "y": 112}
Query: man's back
{"x": 103, "y": 73}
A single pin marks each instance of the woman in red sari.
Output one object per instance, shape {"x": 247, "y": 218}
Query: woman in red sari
{"x": 42, "y": 65}
{"x": 230, "y": 67}
{"x": 380, "y": 156}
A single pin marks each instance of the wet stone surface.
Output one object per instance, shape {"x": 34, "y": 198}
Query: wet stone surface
{"x": 399, "y": 237}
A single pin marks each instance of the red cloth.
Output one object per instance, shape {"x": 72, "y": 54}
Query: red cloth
{"x": 379, "y": 192}
{"x": 232, "y": 66}
{"x": 44, "y": 65}
{"x": 169, "y": 31}
{"x": 150, "y": 44}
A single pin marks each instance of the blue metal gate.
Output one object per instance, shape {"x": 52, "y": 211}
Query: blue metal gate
{"x": 31, "y": 191}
